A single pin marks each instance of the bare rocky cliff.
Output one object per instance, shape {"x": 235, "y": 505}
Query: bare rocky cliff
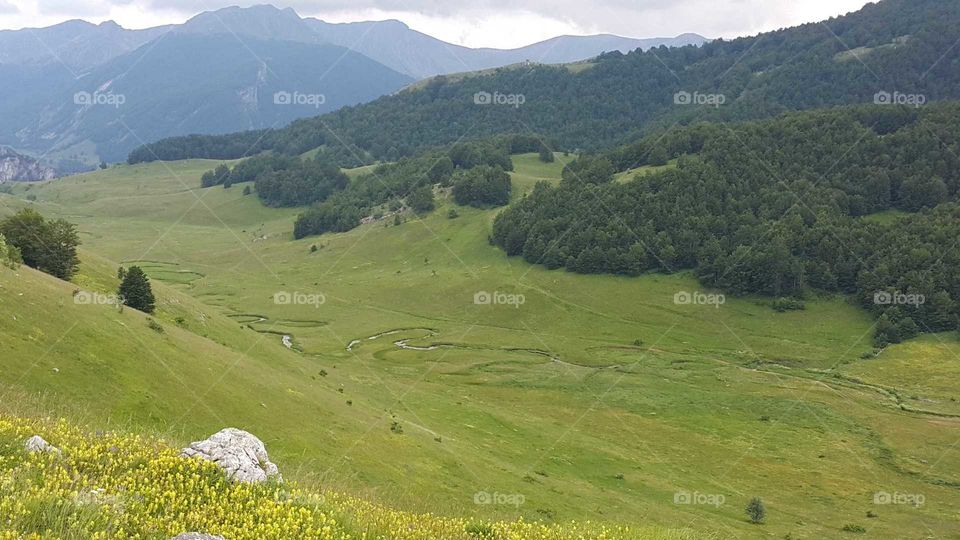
{"x": 16, "y": 167}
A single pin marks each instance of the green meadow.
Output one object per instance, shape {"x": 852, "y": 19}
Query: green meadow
{"x": 417, "y": 365}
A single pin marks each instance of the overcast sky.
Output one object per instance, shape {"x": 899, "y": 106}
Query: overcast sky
{"x": 474, "y": 23}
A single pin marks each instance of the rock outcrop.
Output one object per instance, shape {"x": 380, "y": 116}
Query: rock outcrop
{"x": 37, "y": 444}
{"x": 242, "y": 456}
{"x": 19, "y": 168}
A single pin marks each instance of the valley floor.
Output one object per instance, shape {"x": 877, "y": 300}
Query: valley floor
{"x": 417, "y": 366}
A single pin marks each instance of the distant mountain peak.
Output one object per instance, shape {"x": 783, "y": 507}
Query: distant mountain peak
{"x": 262, "y": 21}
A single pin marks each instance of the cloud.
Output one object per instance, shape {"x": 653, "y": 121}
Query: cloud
{"x": 7, "y": 8}
{"x": 637, "y": 18}
{"x": 482, "y": 22}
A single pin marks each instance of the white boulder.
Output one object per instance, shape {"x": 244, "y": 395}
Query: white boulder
{"x": 242, "y": 456}
{"x": 37, "y": 444}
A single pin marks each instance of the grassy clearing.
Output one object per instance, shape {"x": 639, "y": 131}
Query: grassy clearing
{"x": 598, "y": 397}
{"x": 640, "y": 172}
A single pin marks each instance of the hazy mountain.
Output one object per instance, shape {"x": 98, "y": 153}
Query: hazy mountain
{"x": 76, "y": 45}
{"x": 186, "y": 83}
{"x": 394, "y": 44}
{"x": 218, "y": 72}
{"x": 80, "y": 45}
{"x": 898, "y": 58}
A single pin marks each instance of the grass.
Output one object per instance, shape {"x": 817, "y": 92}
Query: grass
{"x": 639, "y": 172}
{"x": 111, "y": 485}
{"x": 597, "y": 398}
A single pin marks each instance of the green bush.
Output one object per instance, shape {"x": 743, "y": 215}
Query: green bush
{"x": 782, "y": 305}
{"x": 9, "y": 255}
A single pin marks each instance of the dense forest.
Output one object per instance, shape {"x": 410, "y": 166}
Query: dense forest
{"x": 856, "y": 200}
{"x": 476, "y": 172}
{"x": 896, "y": 46}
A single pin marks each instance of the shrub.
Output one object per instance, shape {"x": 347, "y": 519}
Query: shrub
{"x": 480, "y": 530}
{"x": 155, "y": 326}
{"x": 783, "y": 305}
{"x": 9, "y": 255}
{"x": 756, "y": 512}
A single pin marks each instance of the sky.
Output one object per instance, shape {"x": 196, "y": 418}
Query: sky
{"x": 473, "y": 23}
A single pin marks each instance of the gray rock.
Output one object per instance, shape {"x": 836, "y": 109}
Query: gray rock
{"x": 17, "y": 167}
{"x": 196, "y": 536}
{"x": 37, "y": 444}
{"x": 241, "y": 455}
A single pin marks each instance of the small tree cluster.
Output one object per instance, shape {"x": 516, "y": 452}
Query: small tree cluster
{"x": 48, "y": 246}
{"x": 421, "y": 200}
{"x": 482, "y": 186}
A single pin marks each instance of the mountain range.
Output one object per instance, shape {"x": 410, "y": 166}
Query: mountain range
{"x": 886, "y": 53}
{"x": 78, "y": 93}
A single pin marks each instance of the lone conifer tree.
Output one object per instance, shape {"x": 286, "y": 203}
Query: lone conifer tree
{"x": 756, "y": 511}
{"x": 135, "y": 290}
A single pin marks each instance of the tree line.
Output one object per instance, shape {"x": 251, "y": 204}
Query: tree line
{"x": 858, "y": 200}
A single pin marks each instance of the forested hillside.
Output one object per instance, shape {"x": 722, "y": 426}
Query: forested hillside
{"x": 896, "y": 46}
{"x": 771, "y": 207}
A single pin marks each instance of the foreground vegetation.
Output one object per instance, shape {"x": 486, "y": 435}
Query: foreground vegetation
{"x": 112, "y": 485}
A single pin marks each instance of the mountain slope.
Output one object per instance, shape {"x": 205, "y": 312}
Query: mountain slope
{"x": 394, "y": 44}
{"x": 217, "y": 73}
{"x": 894, "y": 48}
{"x": 145, "y": 473}
{"x": 76, "y": 45}
{"x": 185, "y": 83}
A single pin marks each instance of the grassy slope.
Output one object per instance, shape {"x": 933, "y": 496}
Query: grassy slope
{"x": 114, "y": 485}
{"x": 716, "y": 400}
